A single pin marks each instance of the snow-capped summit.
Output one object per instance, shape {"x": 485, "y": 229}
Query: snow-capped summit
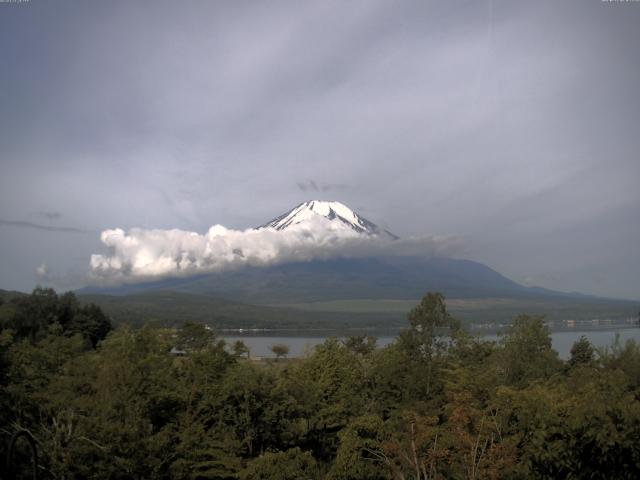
{"x": 334, "y": 211}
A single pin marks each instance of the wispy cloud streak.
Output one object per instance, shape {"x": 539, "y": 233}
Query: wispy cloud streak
{"x": 38, "y": 226}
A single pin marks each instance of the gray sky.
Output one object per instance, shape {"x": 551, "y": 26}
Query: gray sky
{"x": 513, "y": 125}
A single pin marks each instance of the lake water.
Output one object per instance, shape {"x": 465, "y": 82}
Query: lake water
{"x": 301, "y": 344}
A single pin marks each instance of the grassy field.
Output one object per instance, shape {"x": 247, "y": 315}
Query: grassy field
{"x": 360, "y": 305}
{"x": 175, "y": 308}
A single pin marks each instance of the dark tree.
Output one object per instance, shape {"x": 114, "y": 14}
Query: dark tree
{"x": 280, "y": 350}
{"x": 240, "y": 348}
{"x": 194, "y": 336}
{"x": 92, "y": 323}
{"x": 361, "y": 344}
{"x": 430, "y": 315}
{"x": 582, "y": 353}
{"x": 527, "y": 352}
{"x": 37, "y": 313}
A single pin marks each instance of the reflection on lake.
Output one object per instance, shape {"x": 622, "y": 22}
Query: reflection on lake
{"x": 301, "y": 343}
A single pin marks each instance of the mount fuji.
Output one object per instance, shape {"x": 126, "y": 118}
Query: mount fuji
{"x": 297, "y": 289}
{"x": 338, "y": 213}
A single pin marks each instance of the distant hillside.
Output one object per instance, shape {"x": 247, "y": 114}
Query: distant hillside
{"x": 492, "y": 310}
{"x": 174, "y": 308}
{"x": 8, "y": 295}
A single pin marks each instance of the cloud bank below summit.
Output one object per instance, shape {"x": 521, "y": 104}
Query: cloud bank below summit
{"x": 145, "y": 255}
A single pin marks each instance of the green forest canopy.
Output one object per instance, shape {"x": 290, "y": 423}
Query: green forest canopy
{"x": 105, "y": 403}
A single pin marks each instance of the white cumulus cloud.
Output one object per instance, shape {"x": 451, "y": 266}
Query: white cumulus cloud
{"x": 142, "y": 255}
{"x": 43, "y": 272}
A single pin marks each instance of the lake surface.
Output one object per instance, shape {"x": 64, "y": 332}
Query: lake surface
{"x": 300, "y": 344}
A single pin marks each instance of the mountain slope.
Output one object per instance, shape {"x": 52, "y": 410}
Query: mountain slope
{"x": 346, "y": 278}
{"x": 387, "y": 277}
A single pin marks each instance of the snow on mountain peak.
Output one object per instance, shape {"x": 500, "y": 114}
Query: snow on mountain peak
{"x": 334, "y": 211}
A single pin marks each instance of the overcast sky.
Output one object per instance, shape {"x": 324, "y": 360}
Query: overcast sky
{"x": 515, "y": 126}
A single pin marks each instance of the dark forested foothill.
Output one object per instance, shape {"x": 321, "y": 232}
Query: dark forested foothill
{"x": 436, "y": 404}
